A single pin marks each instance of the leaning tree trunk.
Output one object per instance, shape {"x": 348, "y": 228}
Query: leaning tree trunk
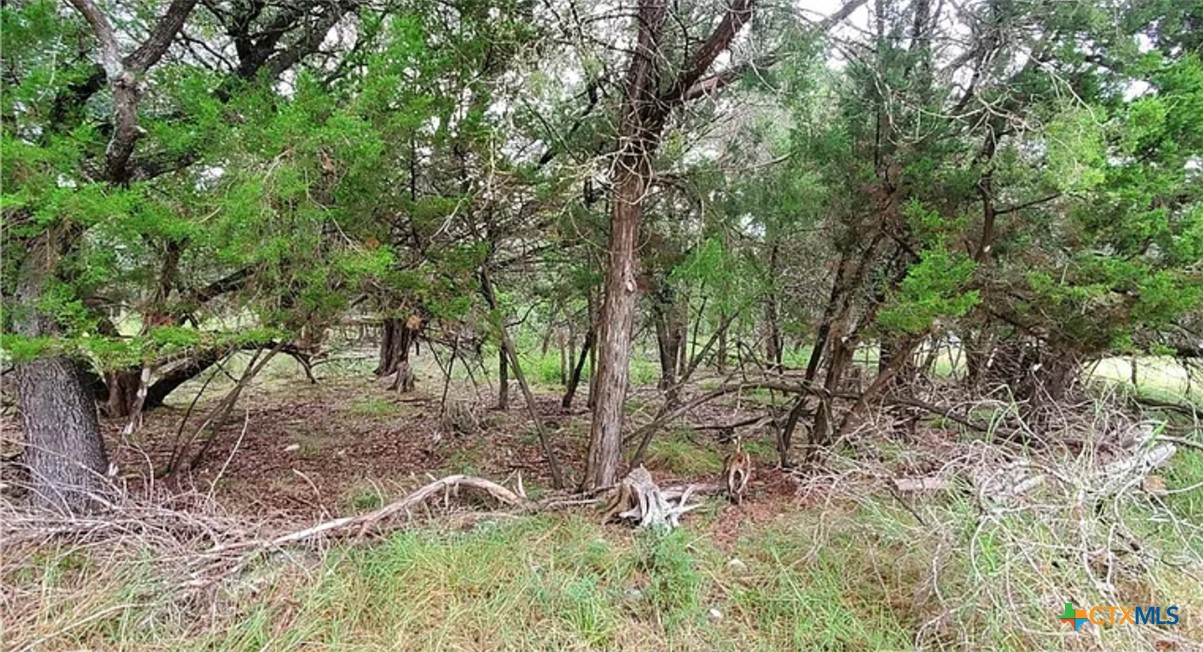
{"x": 503, "y": 380}
{"x": 574, "y": 379}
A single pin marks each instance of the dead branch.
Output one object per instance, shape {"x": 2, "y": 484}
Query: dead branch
{"x": 439, "y": 487}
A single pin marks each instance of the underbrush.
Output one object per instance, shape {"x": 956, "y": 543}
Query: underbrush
{"x": 862, "y": 576}
{"x": 984, "y": 558}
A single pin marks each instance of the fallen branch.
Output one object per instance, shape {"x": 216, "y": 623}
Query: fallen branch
{"x": 438, "y": 487}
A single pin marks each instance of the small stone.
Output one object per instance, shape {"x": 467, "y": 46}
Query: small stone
{"x": 714, "y": 614}
{"x": 633, "y": 594}
{"x": 737, "y": 566}
{"x": 292, "y": 447}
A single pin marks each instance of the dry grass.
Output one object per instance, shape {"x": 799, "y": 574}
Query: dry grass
{"x": 849, "y": 563}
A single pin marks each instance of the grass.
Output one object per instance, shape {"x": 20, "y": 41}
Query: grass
{"x": 674, "y": 451}
{"x": 856, "y": 577}
{"x": 373, "y": 406}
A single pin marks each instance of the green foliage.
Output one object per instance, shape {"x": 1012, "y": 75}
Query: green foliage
{"x": 936, "y": 286}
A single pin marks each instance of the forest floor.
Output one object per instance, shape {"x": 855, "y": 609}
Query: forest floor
{"x": 837, "y": 557}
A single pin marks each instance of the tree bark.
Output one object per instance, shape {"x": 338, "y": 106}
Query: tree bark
{"x": 617, "y": 319}
{"x": 390, "y": 342}
{"x": 63, "y": 447}
{"x": 123, "y": 389}
{"x": 503, "y": 380}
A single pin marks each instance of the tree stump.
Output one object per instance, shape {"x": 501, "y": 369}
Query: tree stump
{"x": 639, "y": 501}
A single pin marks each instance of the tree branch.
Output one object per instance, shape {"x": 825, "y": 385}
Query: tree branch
{"x": 720, "y": 39}
{"x": 161, "y": 36}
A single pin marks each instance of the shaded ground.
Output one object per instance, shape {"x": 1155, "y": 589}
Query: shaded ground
{"x": 303, "y": 451}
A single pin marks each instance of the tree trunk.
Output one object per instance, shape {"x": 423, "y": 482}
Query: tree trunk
{"x": 508, "y": 348}
{"x": 180, "y": 374}
{"x": 575, "y": 378}
{"x": 123, "y": 389}
{"x": 841, "y": 357}
{"x": 404, "y": 381}
{"x": 670, "y": 339}
{"x": 720, "y": 355}
{"x": 390, "y": 342}
{"x": 503, "y": 380}
{"x": 617, "y": 319}
{"x": 772, "y": 320}
{"x": 396, "y": 340}
{"x": 63, "y": 447}
{"x": 772, "y": 338}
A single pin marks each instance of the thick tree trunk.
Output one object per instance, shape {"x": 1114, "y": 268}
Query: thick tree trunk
{"x": 396, "y": 341}
{"x": 63, "y": 447}
{"x": 64, "y": 450}
{"x": 390, "y": 343}
{"x": 123, "y": 389}
{"x": 644, "y": 110}
{"x": 180, "y": 374}
{"x": 404, "y": 380}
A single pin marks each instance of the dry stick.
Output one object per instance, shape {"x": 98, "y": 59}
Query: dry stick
{"x": 437, "y": 487}
{"x": 776, "y": 384}
{"x": 175, "y": 446}
{"x": 486, "y": 288}
{"x": 668, "y": 406}
{"x": 245, "y": 423}
{"x": 227, "y": 405}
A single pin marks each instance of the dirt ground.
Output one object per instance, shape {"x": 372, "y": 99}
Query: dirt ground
{"x": 297, "y": 451}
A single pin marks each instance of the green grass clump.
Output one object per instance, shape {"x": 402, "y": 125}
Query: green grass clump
{"x": 373, "y": 406}
{"x": 674, "y": 452}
